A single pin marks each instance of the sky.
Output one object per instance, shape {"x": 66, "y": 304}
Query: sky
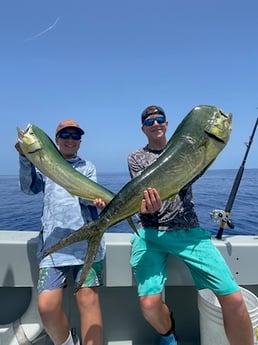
{"x": 102, "y": 62}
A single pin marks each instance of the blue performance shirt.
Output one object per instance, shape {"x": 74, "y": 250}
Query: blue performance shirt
{"x": 62, "y": 214}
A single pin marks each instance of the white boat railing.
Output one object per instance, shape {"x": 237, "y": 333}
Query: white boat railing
{"x": 123, "y": 322}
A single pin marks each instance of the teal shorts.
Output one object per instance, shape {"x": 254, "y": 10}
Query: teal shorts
{"x": 51, "y": 278}
{"x": 207, "y": 266}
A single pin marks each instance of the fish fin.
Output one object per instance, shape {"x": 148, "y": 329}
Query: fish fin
{"x": 93, "y": 245}
{"x": 132, "y": 225}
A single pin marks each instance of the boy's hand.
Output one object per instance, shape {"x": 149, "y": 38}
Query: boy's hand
{"x": 151, "y": 202}
{"x": 99, "y": 203}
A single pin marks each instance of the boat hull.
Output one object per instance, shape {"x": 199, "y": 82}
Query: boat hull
{"x": 18, "y": 276}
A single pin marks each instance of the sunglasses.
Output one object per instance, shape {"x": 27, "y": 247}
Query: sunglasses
{"x": 150, "y": 122}
{"x": 67, "y": 135}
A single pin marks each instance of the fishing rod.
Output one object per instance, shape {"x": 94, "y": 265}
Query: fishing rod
{"x": 222, "y": 216}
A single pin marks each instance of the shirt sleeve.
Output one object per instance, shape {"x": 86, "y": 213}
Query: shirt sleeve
{"x": 133, "y": 166}
{"x": 31, "y": 180}
{"x": 91, "y": 173}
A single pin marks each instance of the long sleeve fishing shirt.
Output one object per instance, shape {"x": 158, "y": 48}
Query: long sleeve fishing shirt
{"x": 173, "y": 215}
{"x": 62, "y": 213}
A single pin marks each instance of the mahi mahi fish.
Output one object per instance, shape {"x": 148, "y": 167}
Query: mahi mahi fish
{"x": 193, "y": 147}
{"x": 44, "y": 155}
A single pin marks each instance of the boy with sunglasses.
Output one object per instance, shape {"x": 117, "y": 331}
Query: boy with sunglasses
{"x": 172, "y": 227}
{"x": 63, "y": 214}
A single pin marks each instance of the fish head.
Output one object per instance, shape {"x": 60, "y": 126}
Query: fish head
{"x": 29, "y": 142}
{"x": 204, "y": 123}
{"x": 219, "y": 125}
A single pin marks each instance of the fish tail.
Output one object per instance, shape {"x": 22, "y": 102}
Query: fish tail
{"x": 93, "y": 245}
{"x": 86, "y": 232}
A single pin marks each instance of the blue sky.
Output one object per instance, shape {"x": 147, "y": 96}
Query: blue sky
{"x": 102, "y": 62}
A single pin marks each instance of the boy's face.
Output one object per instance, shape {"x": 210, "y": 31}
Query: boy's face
{"x": 69, "y": 141}
{"x": 155, "y": 126}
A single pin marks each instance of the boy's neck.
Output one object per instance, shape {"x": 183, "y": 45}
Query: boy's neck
{"x": 157, "y": 145}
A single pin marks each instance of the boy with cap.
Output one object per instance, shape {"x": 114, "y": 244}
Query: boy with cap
{"x": 62, "y": 214}
{"x": 172, "y": 227}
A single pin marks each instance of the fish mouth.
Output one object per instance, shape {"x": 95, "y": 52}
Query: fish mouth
{"x": 219, "y": 126}
{"x": 22, "y": 132}
{"x": 26, "y": 137}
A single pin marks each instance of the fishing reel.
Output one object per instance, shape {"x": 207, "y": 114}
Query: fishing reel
{"x": 219, "y": 216}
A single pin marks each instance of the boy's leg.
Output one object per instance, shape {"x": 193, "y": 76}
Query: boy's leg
{"x": 237, "y": 323}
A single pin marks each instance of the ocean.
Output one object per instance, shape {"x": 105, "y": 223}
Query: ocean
{"x": 22, "y": 212}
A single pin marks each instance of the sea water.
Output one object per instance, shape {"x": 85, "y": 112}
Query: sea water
{"x": 19, "y": 211}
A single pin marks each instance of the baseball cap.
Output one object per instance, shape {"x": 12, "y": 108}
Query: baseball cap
{"x": 152, "y": 109}
{"x": 68, "y": 124}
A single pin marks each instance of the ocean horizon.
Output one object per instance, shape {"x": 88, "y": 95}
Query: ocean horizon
{"x": 22, "y": 212}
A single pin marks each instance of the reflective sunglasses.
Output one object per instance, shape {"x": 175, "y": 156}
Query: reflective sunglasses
{"x": 67, "y": 135}
{"x": 150, "y": 122}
